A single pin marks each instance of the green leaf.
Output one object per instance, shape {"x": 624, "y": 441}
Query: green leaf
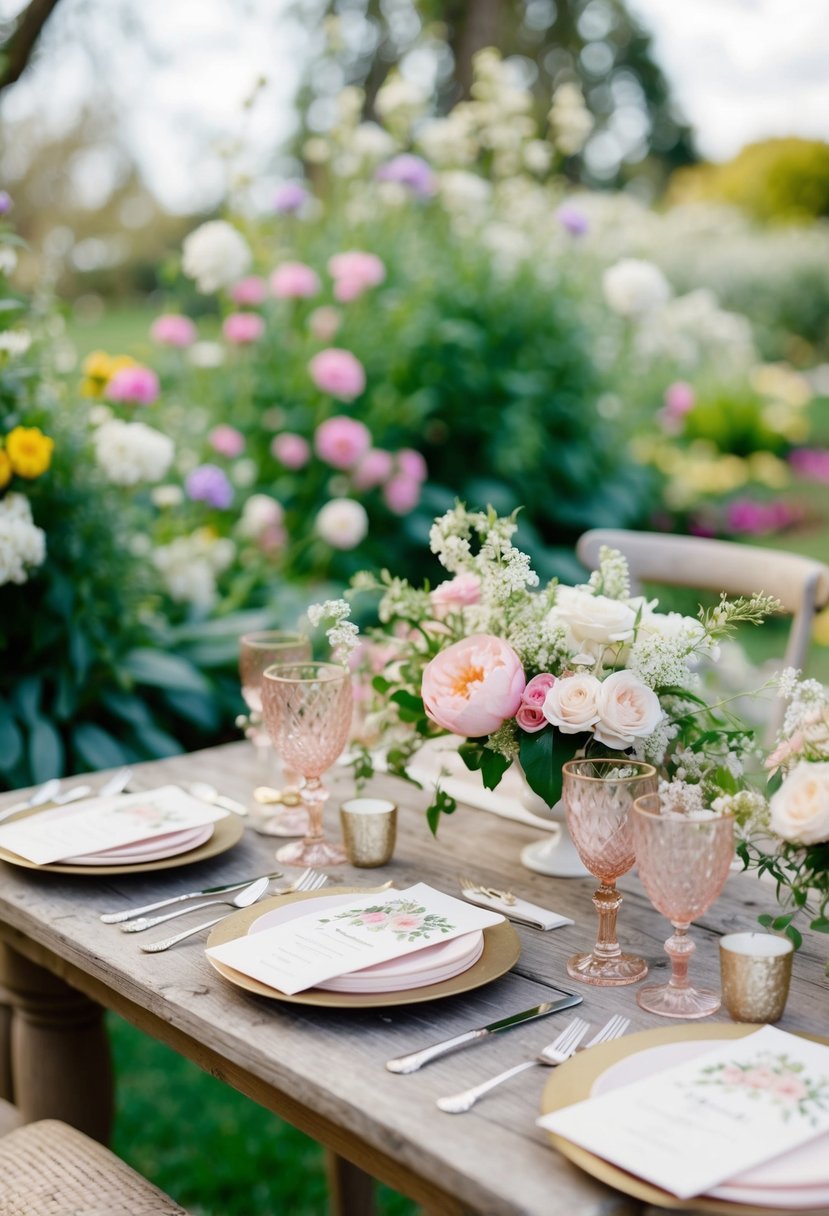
{"x": 80, "y": 653}
{"x": 493, "y": 767}
{"x": 794, "y": 936}
{"x": 442, "y": 804}
{"x": 157, "y": 742}
{"x": 96, "y": 747}
{"x": 381, "y": 684}
{"x": 162, "y": 670}
{"x": 821, "y": 924}
{"x": 413, "y": 705}
{"x": 202, "y": 711}
{"x": 11, "y": 738}
{"x": 27, "y": 699}
{"x": 46, "y": 752}
{"x": 542, "y": 756}
{"x": 782, "y": 922}
{"x": 765, "y": 920}
{"x": 472, "y": 754}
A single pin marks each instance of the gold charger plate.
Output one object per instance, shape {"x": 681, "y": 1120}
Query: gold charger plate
{"x": 227, "y": 833}
{"x": 501, "y": 951}
{"x": 571, "y": 1082}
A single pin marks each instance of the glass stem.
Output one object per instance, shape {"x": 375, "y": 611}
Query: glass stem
{"x": 679, "y": 948}
{"x": 314, "y": 797}
{"x": 606, "y": 901}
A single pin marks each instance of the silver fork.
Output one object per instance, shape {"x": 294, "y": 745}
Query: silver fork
{"x": 469, "y": 884}
{"x": 309, "y": 880}
{"x": 555, "y": 1053}
{"x": 149, "y": 922}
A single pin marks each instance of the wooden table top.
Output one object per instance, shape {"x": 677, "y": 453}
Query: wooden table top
{"x": 323, "y": 1069}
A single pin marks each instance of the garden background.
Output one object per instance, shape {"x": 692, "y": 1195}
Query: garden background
{"x": 253, "y": 342}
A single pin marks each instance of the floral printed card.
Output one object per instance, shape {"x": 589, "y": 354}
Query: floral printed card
{"x": 369, "y": 929}
{"x": 694, "y": 1126}
{"x": 98, "y": 824}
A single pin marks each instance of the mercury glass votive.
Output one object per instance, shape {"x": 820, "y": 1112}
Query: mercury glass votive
{"x": 756, "y": 969}
{"x": 369, "y": 831}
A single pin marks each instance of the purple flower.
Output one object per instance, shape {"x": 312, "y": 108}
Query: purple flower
{"x": 410, "y": 171}
{"x": 572, "y": 220}
{"x": 289, "y": 198}
{"x": 5, "y": 202}
{"x": 209, "y": 484}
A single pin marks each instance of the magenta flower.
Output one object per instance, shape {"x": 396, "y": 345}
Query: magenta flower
{"x": 401, "y": 494}
{"x": 354, "y": 272}
{"x": 812, "y": 463}
{"x": 412, "y": 464}
{"x": 291, "y": 450}
{"x": 342, "y": 442}
{"x": 289, "y": 198}
{"x": 243, "y": 328}
{"x": 339, "y": 373}
{"x": 249, "y": 292}
{"x": 572, "y": 220}
{"x": 324, "y": 322}
{"x": 294, "y": 281}
{"x": 173, "y": 329}
{"x": 227, "y": 441}
{"x": 208, "y": 483}
{"x": 375, "y": 468}
{"x": 135, "y": 385}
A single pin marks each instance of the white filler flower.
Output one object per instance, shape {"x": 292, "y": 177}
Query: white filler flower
{"x": 131, "y": 452}
{"x": 22, "y": 543}
{"x": 633, "y": 287}
{"x": 215, "y": 255}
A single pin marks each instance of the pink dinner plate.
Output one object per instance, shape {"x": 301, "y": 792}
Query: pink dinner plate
{"x": 155, "y": 849}
{"x": 430, "y": 965}
{"x": 798, "y": 1179}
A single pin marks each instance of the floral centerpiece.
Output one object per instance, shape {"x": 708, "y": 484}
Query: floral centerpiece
{"x": 532, "y": 676}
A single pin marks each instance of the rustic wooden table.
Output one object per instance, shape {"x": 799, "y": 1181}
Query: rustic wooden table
{"x": 321, "y": 1069}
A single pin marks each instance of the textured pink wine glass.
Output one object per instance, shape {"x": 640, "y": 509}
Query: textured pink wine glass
{"x": 308, "y": 709}
{"x": 258, "y": 651}
{"x": 598, "y": 797}
{"x": 683, "y": 864}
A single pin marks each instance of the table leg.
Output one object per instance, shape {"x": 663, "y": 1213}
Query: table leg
{"x": 350, "y": 1189}
{"x": 60, "y": 1062}
{"x": 6, "y": 1090}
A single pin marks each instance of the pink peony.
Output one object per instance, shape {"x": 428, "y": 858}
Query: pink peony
{"x": 412, "y": 464}
{"x": 679, "y": 398}
{"x": 790, "y": 1087}
{"x": 375, "y": 468}
{"x": 134, "y": 385}
{"x": 249, "y": 292}
{"x": 354, "y": 272}
{"x": 401, "y": 494}
{"x": 342, "y": 442}
{"x": 339, "y": 373}
{"x": 530, "y": 716}
{"x": 292, "y": 450}
{"x": 456, "y": 592}
{"x": 294, "y": 281}
{"x": 173, "y": 329}
{"x": 324, "y": 322}
{"x": 472, "y": 687}
{"x": 242, "y": 328}
{"x": 227, "y": 441}
{"x": 785, "y": 751}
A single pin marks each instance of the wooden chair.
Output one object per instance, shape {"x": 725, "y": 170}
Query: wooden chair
{"x": 800, "y": 583}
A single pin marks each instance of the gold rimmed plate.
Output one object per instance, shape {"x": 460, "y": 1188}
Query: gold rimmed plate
{"x": 501, "y": 952}
{"x": 573, "y": 1082}
{"x": 227, "y": 833}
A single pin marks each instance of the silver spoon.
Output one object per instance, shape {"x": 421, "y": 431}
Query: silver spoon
{"x": 209, "y": 793}
{"x": 43, "y": 793}
{"x": 244, "y": 899}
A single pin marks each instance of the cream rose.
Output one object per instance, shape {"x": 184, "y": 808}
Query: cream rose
{"x": 593, "y": 618}
{"x": 800, "y": 808}
{"x": 628, "y": 710}
{"x": 572, "y": 704}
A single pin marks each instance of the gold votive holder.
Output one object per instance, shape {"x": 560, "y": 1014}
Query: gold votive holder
{"x": 369, "y": 830}
{"x": 756, "y": 970}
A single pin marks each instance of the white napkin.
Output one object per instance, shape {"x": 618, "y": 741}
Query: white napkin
{"x": 522, "y": 910}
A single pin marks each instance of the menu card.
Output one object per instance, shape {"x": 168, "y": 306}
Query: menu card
{"x": 98, "y": 824}
{"x": 696, "y": 1125}
{"x": 369, "y": 929}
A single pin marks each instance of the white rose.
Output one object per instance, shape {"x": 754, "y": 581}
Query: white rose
{"x": 215, "y": 255}
{"x": 800, "y": 808}
{"x": 594, "y": 618}
{"x": 260, "y": 512}
{"x": 628, "y": 710}
{"x": 342, "y": 523}
{"x": 206, "y": 354}
{"x": 131, "y": 452}
{"x": 572, "y": 704}
{"x": 633, "y": 287}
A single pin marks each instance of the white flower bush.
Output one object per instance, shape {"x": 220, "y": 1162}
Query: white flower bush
{"x": 132, "y": 452}
{"x": 215, "y": 255}
{"x": 190, "y": 565}
{"x": 635, "y": 288}
{"x": 22, "y": 542}
{"x": 342, "y": 523}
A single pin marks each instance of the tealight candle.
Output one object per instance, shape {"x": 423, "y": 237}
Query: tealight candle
{"x": 369, "y": 830}
{"x": 756, "y": 970}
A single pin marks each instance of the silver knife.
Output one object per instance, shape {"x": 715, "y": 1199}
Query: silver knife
{"x": 115, "y": 918}
{"x": 417, "y": 1059}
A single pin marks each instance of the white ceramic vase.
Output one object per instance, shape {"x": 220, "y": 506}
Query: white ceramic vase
{"x": 555, "y": 854}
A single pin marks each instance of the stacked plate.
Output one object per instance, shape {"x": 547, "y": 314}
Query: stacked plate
{"x": 156, "y": 849}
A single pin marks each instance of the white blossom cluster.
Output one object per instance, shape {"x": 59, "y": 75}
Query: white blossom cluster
{"x": 343, "y": 634}
{"x": 189, "y": 566}
{"x": 132, "y": 452}
{"x": 215, "y": 255}
{"x": 22, "y": 543}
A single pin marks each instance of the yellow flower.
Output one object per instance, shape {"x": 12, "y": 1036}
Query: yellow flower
{"x": 5, "y": 469}
{"x": 98, "y": 369}
{"x": 29, "y": 451}
{"x": 820, "y": 632}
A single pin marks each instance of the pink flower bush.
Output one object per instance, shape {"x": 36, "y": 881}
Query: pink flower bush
{"x": 530, "y": 716}
{"x": 324, "y": 322}
{"x": 401, "y": 494}
{"x": 291, "y": 450}
{"x": 472, "y": 687}
{"x": 342, "y": 442}
{"x": 243, "y": 328}
{"x": 172, "y": 329}
{"x": 354, "y": 272}
{"x": 135, "y": 385}
{"x": 249, "y": 292}
{"x": 412, "y": 464}
{"x": 375, "y": 468}
{"x": 339, "y": 373}
{"x": 459, "y": 592}
{"x": 294, "y": 281}
{"x": 227, "y": 441}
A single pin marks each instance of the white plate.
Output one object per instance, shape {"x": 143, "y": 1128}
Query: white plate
{"x": 430, "y": 965}
{"x": 797, "y": 1179}
{"x": 155, "y": 849}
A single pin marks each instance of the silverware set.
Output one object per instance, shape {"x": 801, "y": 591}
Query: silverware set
{"x": 51, "y": 793}
{"x": 469, "y": 884}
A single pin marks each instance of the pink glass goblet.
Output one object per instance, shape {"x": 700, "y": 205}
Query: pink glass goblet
{"x": 683, "y": 861}
{"x": 598, "y": 797}
{"x": 308, "y": 709}
{"x": 258, "y": 651}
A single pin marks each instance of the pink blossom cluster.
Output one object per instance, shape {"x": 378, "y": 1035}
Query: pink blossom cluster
{"x": 811, "y": 463}
{"x": 750, "y": 517}
{"x": 173, "y": 329}
{"x": 355, "y": 272}
{"x": 135, "y": 385}
{"x": 243, "y": 328}
{"x": 786, "y": 1085}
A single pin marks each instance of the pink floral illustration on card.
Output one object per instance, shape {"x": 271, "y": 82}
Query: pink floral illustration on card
{"x": 405, "y": 918}
{"x": 773, "y": 1078}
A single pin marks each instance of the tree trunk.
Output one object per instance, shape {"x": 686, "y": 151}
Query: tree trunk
{"x": 19, "y": 47}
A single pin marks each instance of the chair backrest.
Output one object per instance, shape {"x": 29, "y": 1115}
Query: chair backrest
{"x": 800, "y": 583}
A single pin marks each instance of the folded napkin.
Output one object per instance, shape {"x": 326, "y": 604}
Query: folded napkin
{"x": 522, "y": 911}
